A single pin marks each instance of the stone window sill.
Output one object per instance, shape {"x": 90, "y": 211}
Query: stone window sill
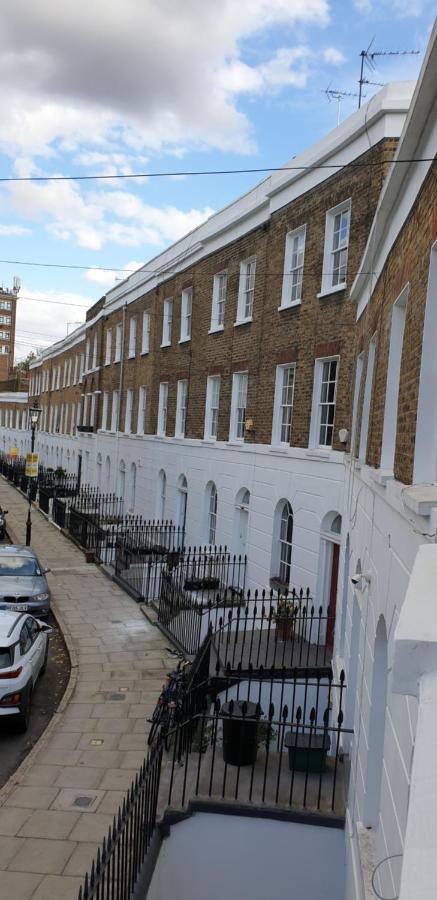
{"x": 326, "y": 292}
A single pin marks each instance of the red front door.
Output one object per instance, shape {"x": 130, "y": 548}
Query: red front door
{"x": 330, "y": 628}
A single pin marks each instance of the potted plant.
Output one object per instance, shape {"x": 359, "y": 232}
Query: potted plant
{"x": 285, "y": 618}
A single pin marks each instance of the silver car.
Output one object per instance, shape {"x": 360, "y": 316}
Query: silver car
{"x": 23, "y": 583}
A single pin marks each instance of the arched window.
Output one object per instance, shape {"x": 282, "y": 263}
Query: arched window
{"x": 211, "y": 524}
{"x": 122, "y": 479}
{"x": 132, "y": 487}
{"x": 241, "y": 521}
{"x": 108, "y": 473}
{"x": 182, "y": 501}
{"x": 99, "y": 470}
{"x": 285, "y": 543}
{"x": 161, "y": 496}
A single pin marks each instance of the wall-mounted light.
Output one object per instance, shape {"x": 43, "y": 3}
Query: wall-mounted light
{"x": 249, "y": 426}
{"x": 343, "y": 435}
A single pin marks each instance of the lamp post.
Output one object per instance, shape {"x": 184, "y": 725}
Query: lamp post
{"x": 34, "y": 414}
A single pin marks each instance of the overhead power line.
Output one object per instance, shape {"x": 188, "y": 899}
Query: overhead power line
{"x": 200, "y": 172}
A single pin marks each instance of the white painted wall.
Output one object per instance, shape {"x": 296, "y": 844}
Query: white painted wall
{"x": 311, "y": 481}
{"x": 240, "y": 858}
{"x": 385, "y": 537}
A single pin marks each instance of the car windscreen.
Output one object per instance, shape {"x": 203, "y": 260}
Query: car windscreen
{"x": 5, "y": 657}
{"x": 19, "y": 565}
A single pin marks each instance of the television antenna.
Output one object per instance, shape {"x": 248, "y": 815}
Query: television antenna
{"x": 334, "y": 94}
{"x": 368, "y": 59}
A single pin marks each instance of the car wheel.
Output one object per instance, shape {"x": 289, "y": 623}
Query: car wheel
{"x": 23, "y": 718}
{"x": 46, "y": 656}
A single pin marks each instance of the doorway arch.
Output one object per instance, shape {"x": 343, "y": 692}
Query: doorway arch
{"x": 329, "y": 560}
{"x": 241, "y": 522}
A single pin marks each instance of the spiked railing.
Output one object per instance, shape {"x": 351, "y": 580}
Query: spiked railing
{"x": 115, "y": 871}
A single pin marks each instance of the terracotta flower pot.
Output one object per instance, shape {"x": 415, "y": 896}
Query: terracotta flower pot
{"x": 284, "y": 628}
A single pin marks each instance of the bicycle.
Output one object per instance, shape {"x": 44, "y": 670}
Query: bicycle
{"x": 170, "y": 700}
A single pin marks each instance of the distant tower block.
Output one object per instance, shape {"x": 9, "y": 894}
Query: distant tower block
{"x": 8, "y": 313}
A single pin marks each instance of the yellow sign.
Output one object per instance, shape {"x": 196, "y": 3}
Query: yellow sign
{"x": 13, "y": 452}
{"x": 31, "y": 469}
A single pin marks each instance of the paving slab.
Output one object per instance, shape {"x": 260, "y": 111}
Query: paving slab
{"x": 58, "y": 806}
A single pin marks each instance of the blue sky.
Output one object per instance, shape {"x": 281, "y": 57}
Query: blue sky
{"x": 118, "y": 86}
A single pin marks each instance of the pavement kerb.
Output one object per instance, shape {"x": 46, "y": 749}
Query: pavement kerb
{"x": 16, "y": 777}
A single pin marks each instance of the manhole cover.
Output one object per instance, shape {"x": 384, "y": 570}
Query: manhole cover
{"x": 83, "y": 802}
{"x": 115, "y": 697}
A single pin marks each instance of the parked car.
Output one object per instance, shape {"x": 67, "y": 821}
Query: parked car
{"x": 3, "y": 514}
{"x": 23, "y": 583}
{"x": 24, "y": 648}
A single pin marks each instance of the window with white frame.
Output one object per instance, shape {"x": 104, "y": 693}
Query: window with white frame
{"x": 82, "y": 368}
{"x": 246, "y": 290}
{"x": 70, "y": 369}
{"x": 357, "y": 388}
{"x": 78, "y": 413}
{"x": 132, "y": 336}
{"x": 145, "y": 336}
{"x": 141, "y": 416}
{"x": 162, "y": 408}
{"x": 238, "y": 406}
{"x": 368, "y": 387}
{"x": 114, "y": 415}
{"x": 118, "y": 342}
{"x": 393, "y": 378}
{"x": 285, "y": 543}
{"x": 93, "y": 409}
{"x": 211, "y": 512}
{"x": 337, "y": 229}
{"x": 328, "y": 393}
{"x": 219, "y": 289}
{"x": 161, "y": 496}
{"x": 128, "y": 411}
{"x": 283, "y": 405}
{"x": 212, "y": 407}
{"x": 87, "y": 355}
{"x": 72, "y": 420}
{"x": 181, "y": 408}
{"x": 95, "y": 352}
{"x": 167, "y": 321}
{"x": 186, "y": 312}
{"x": 108, "y": 348}
{"x": 293, "y": 268}
{"x": 64, "y": 381}
{"x": 5, "y": 320}
{"x": 105, "y": 411}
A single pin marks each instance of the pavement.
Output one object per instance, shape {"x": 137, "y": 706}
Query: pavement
{"x": 58, "y": 806}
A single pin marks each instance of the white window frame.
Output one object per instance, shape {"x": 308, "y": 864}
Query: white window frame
{"x": 132, "y": 337}
{"x": 368, "y": 390}
{"x": 162, "y": 409}
{"x": 142, "y": 406}
{"x": 318, "y": 404}
{"x": 167, "y": 322}
{"x": 105, "y": 407}
{"x": 240, "y": 383}
{"x": 181, "y": 408}
{"x": 118, "y": 342}
{"x": 145, "y": 334}
{"x": 108, "y": 347}
{"x": 389, "y": 432}
{"x": 357, "y": 389}
{"x": 212, "y": 407}
{"x": 218, "y": 308}
{"x": 212, "y": 513}
{"x": 95, "y": 345}
{"x": 114, "y": 411}
{"x": 186, "y": 314}
{"x": 72, "y": 420}
{"x": 294, "y": 261}
{"x": 246, "y": 290}
{"x": 285, "y": 543}
{"x": 128, "y": 411}
{"x": 279, "y": 406}
{"x": 328, "y": 286}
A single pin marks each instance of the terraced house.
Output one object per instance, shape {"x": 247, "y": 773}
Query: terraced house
{"x": 267, "y": 383}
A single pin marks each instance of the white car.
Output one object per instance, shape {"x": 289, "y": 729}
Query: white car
{"x": 24, "y": 647}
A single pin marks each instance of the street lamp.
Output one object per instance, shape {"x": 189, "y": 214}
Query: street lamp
{"x": 34, "y": 414}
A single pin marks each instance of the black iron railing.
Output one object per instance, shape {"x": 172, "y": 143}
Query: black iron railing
{"x": 274, "y": 743}
{"x": 115, "y": 870}
{"x": 142, "y": 551}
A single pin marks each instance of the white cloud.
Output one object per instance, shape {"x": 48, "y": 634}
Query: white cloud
{"x": 402, "y": 9}
{"x": 118, "y": 76}
{"x": 39, "y": 324}
{"x": 287, "y": 67}
{"x": 333, "y": 55}
{"x": 93, "y": 218}
{"x": 13, "y": 230}
{"x": 108, "y": 279}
